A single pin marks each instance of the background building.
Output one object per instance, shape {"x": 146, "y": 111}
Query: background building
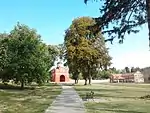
{"x": 60, "y": 74}
{"x": 136, "y": 77}
{"x": 146, "y": 73}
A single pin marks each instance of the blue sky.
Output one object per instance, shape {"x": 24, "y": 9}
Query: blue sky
{"x": 52, "y": 17}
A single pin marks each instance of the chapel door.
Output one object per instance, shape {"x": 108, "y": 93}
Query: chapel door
{"x": 62, "y": 78}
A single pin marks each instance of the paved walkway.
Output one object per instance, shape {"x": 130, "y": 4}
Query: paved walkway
{"x": 67, "y": 102}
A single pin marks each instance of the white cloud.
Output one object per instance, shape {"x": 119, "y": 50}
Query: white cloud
{"x": 137, "y": 59}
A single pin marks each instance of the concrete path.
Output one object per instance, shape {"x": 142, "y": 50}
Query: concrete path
{"x": 67, "y": 102}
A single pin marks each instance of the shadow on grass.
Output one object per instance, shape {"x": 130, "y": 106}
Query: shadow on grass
{"x": 28, "y": 87}
{"x": 111, "y": 96}
{"x": 99, "y": 93}
{"x": 27, "y": 101}
{"x": 50, "y": 84}
{"x": 101, "y": 90}
{"x": 117, "y": 108}
{"x": 14, "y": 87}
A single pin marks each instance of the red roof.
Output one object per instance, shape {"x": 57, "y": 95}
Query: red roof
{"x": 123, "y": 76}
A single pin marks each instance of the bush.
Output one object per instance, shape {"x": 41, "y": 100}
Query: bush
{"x": 145, "y": 97}
{"x": 102, "y": 75}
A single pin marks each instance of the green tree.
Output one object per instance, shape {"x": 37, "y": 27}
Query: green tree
{"x": 28, "y": 58}
{"x": 4, "y": 59}
{"x": 104, "y": 60}
{"x": 127, "y": 69}
{"x": 125, "y": 16}
{"x": 54, "y": 53}
{"x": 104, "y": 74}
{"x": 133, "y": 69}
{"x": 62, "y": 49}
{"x": 57, "y": 52}
{"x": 113, "y": 70}
{"x": 82, "y": 51}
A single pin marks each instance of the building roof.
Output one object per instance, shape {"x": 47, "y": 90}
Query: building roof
{"x": 123, "y": 76}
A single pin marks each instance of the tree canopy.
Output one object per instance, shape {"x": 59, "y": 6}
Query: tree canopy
{"x": 83, "y": 53}
{"x": 24, "y": 57}
{"x": 124, "y": 15}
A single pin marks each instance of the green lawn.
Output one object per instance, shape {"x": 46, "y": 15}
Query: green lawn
{"x": 117, "y": 98}
{"x": 13, "y": 100}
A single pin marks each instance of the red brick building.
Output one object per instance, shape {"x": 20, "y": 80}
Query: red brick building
{"x": 60, "y": 74}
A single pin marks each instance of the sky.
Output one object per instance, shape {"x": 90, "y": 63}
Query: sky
{"x": 52, "y": 17}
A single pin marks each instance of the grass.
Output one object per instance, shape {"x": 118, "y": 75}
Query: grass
{"x": 29, "y": 100}
{"x": 117, "y": 98}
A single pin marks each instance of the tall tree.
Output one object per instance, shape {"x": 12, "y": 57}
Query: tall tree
{"x": 133, "y": 70}
{"x": 82, "y": 52}
{"x": 5, "y": 74}
{"x": 26, "y": 57}
{"x": 114, "y": 70}
{"x": 62, "y": 49}
{"x": 127, "y": 69}
{"x": 124, "y": 15}
{"x": 54, "y": 53}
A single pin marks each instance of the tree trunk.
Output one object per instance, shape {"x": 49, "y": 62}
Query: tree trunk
{"x": 85, "y": 81}
{"x": 90, "y": 78}
{"x": 148, "y": 16}
{"x": 47, "y": 81}
{"x": 75, "y": 81}
{"x": 75, "y": 76}
{"x": 89, "y": 75}
{"x": 22, "y": 84}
